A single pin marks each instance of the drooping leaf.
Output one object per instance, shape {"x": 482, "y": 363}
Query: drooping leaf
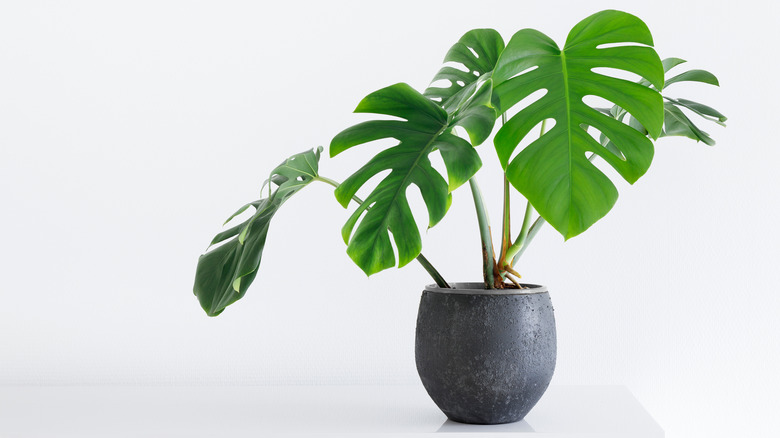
{"x": 224, "y": 273}
{"x": 702, "y": 110}
{"x": 553, "y": 172}
{"x": 424, "y": 127}
{"x": 677, "y": 123}
{"x": 477, "y": 51}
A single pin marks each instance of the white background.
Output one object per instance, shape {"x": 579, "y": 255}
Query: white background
{"x": 129, "y": 131}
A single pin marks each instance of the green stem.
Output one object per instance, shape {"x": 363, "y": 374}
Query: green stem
{"x": 440, "y": 281}
{"x": 336, "y": 185}
{"x": 531, "y": 234}
{"x": 437, "y": 277}
{"x": 517, "y": 248}
{"x": 488, "y": 256}
{"x": 522, "y": 237}
{"x": 506, "y": 233}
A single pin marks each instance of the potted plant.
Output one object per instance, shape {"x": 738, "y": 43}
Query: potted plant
{"x": 485, "y": 350}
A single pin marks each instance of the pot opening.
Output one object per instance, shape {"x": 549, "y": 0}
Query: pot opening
{"x": 479, "y": 289}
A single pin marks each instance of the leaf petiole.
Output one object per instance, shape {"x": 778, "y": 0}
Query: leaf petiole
{"x": 513, "y": 251}
{"x": 489, "y": 270}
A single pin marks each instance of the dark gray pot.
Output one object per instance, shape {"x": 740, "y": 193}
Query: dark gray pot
{"x": 485, "y": 356}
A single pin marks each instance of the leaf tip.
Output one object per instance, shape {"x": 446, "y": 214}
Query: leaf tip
{"x": 212, "y": 313}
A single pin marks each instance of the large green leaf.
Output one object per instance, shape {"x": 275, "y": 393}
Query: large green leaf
{"x": 553, "y": 172}
{"x": 224, "y": 273}
{"x": 425, "y": 127}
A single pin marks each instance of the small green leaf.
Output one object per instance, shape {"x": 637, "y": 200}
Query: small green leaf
{"x": 678, "y": 124}
{"x": 704, "y": 111}
{"x": 693, "y": 76}
{"x": 670, "y": 63}
{"x": 675, "y": 121}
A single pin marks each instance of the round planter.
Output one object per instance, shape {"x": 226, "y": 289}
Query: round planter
{"x": 485, "y": 356}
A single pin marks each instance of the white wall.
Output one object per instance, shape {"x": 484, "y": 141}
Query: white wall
{"x": 128, "y": 132}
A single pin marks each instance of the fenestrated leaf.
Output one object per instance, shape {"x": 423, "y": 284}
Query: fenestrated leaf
{"x": 224, "y": 273}
{"x": 477, "y": 51}
{"x": 553, "y": 172}
{"x": 425, "y": 127}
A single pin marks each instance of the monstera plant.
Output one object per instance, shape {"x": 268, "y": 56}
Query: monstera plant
{"x": 485, "y": 351}
{"x": 530, "y": 84}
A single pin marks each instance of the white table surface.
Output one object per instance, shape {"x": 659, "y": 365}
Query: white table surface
{"x": 267, "y": 411}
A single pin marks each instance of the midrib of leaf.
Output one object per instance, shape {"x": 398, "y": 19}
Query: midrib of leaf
{"x": 402, "y": 187}
{"x": 565, "y": 72}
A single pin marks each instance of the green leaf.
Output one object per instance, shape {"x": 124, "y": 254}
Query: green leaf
{"x": 477, "y": 51}
{"x": 675, "y": 121}
{"x": 224, "y": 273}
{"x": 693, "y": 76}
{"x": 670, "y": 63}
{"x": 704, "y": 111}
{"x": 678, "y": 124}
{"x": 476, "y": 116}
{"x": 553, "y": 172}
{"x": 425, "y": 127}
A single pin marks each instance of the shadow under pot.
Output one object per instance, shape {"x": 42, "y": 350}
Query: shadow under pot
{"x": 485, "y": 356}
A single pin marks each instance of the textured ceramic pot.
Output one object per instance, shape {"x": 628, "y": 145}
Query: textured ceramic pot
{"x": 485, "y": 356}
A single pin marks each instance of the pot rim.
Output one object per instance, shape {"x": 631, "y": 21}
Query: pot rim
{"x": 469, "y": 288}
